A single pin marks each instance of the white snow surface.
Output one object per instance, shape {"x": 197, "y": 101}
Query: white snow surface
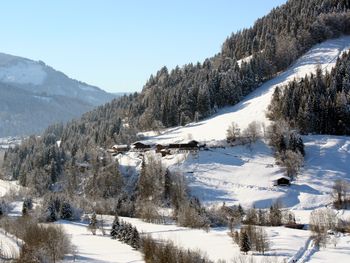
{"x": 9, "y": 246}
{"x": 339, "y": 253}
{"x": 244, "y": 60}
{"x": 98, "y": 248}
{"x": 253, "y": 107}
{"x": 22, "y": 72}
{"x": 245, "y": 175}
{"x": 217, "y": 244}
{"x": 6, "y": 186}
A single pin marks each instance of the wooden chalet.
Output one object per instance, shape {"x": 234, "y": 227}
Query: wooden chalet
{"x": 116, "y": 149}
{"x": 190, "y": 146}
{"x": 139, "y": 146}
{"x": 282, "y": 181}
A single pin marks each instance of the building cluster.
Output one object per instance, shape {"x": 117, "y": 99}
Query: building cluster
{"x": 159, "y": 148}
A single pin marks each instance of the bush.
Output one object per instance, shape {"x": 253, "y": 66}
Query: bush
{"x": 252, "y": 132}
{"x": 167, "y": 252}
{"x": 41, "y": 243}
{"x": 233, "y": 133}
{"x": 191, "y": 214}
{"x": 321, "y": 221}
{"x": 252, "y": 238}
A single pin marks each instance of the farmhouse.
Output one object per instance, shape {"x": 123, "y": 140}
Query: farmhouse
{"x": 191, "y": 145}
{"x": 139, "y": 146}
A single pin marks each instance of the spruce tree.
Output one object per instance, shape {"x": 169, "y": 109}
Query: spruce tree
{"x": 51, "y": 213}
{"x": 135, "y": 241}
{"x": 244, "y": 243}
{"x": 24, "y": 209}
{"x": 115, "y": 227}
{"x": 66, "y": 211}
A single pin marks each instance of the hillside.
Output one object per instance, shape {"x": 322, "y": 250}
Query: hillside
{"x": 244, "y": 174}
{"x": 254, "y": 106}
{"x": 37, "y": 77}
{"x": 34, "y": 95}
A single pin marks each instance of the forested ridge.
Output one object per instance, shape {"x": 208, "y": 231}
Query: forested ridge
{"x": 318, "y": 103}
{"x": 176, "y": 97}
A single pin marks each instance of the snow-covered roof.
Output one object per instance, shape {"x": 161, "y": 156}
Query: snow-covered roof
{"x": 277, "y": 177}
{"x": 120, "y": 146}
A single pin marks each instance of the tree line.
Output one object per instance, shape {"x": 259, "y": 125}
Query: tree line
{"x": 318, "y": 103}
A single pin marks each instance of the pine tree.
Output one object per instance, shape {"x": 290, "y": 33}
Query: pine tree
{"x": 135, "y": 241}
{"x": 244, "y": 242}
{"x": 51, "y": 213}
{"x": 66, "y": 211}
{"x": 24, "y": 209}
{"x": 115, "y": 227}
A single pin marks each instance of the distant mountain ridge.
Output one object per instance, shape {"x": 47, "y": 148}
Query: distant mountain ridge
{"x": 37, "y": 77}
{"x": 34, "y": 95}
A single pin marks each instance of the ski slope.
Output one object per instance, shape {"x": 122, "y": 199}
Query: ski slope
{"x": 253, "y": 107}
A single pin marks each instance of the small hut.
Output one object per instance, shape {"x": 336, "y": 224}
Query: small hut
{"x": 282, "y": 181}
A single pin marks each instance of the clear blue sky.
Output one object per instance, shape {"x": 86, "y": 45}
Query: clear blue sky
{"x": 116, "y": 45}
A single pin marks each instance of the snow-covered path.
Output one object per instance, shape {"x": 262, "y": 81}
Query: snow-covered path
{"x": 253, "y": 107}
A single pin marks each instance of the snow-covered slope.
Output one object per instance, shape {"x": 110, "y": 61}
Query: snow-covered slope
{"x": 34, "y": 96}
{"x": 98, "y": 248}
{"x": 244, "y": 174}
{"x": 37, "y": 77}
{"x": 253, "y": 107}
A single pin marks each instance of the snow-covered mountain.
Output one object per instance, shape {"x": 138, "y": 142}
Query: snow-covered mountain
{"x": 37, "y": 77}
{"x": 254, "y": 106}
{"x": 34, "y": 95}
{"x": 233, "y": 175}
{"x": 245, "y": 175}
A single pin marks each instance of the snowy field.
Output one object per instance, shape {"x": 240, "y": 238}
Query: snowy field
{"x": 245, "y": 174}
{"x": 8, "y": 246}
{"x": 339, "y": 253}
{"x": 217, "y": 244}
{"x": 98, "y": 248}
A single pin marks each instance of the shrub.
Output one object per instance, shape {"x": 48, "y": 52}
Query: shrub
{"x": 161, "y": 252}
